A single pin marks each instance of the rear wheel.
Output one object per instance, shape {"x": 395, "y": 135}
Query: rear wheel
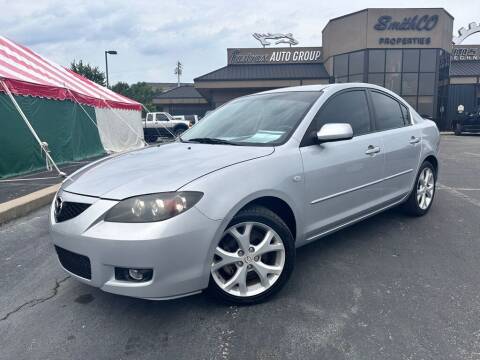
{"x": 253, "y": 259}
{"x": 179, "y": 131}
{"x": 151, "y": 138}
{"x": 421, "y": 198}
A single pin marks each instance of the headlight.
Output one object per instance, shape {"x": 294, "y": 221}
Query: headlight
{"x": 154, "y": 207}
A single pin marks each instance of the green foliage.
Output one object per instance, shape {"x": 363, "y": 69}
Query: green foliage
{"x": 92, "y": 73}
{"x": 140, "y": 92}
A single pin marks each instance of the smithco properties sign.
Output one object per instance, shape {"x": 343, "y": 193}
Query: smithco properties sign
{"x": 296, "y": 55}
{"x": 417, "y": 23}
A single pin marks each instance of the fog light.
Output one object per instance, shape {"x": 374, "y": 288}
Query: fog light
{"x": 136, "y": 274}
{"x": 133, "y": 275}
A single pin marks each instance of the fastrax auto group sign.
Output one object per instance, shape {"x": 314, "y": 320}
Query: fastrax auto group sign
{"x": 296, "y": 55}
{"x": 393, "y": 28}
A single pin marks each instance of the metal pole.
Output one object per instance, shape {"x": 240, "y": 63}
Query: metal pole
{"x": 106, "y": 66}
{"x": 32, "y": 130}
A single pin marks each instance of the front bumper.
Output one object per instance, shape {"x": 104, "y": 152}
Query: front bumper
{"x": 179, "y": 250}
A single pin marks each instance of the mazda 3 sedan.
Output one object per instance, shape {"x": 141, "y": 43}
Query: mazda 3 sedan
{"x": 225, "y": 206}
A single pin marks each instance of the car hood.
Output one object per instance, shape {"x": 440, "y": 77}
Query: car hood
{"x": 157, "y": 169}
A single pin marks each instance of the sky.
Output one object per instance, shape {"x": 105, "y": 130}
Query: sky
{"x": 151, "y": 36}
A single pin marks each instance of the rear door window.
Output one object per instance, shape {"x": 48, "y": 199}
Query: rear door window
{"x": 388, "y": 114}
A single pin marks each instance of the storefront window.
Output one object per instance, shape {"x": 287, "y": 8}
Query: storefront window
{"x": 426, "y": 84}
{"x": 428, "y": 60}
{"x": 356, "y": 78}
{"x": 409, "y": 83}
{"x": 392, "y": 82}
{"x": 410, "y": 60}
{"x": 376, "y": 61}
{"x": 412, "y": 100}
{"x": 356, "y": 62}
{"x": 340, "y": 80}
{"x": 376, "y": 79}
{"x": 425, "y": 105}
{"x": 340, "y": 65}
{"x": 393, "y": 61}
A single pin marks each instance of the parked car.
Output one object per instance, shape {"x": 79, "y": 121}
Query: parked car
{"x": 193, "y": 119}
{"x": 467, "y": 122}
{"x": 224, "y": 207}
{"x": 162, "y": 124}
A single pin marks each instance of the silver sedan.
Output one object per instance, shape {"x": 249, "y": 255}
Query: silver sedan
{"x": 225, "y": 206}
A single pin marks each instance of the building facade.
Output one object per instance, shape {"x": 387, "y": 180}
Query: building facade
{"x": 408, "y": 51}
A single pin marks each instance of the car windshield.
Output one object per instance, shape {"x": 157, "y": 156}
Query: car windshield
{"x": 254, "y": 120}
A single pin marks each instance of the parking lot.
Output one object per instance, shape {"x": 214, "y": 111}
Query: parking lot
{"x": 391, "y": 287}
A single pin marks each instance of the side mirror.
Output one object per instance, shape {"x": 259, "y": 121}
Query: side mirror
{"x": 334, "y": 132}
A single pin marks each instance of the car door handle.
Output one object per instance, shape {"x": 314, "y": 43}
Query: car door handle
{"x": 414, "y": 140}
{"x": 372, "y": 150}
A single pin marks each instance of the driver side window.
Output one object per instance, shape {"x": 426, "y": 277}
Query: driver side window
{"x": 349, "y": 107}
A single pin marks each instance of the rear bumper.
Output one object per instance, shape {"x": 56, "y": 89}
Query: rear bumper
{"x": 178, "y": 250}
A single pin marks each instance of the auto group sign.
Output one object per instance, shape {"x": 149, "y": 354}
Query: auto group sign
{"x": 277, "y": 55}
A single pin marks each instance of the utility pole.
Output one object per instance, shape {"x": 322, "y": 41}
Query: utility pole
{"x": 178, "y": 72}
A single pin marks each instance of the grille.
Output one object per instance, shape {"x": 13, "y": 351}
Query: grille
{"x": 67, "y": 210}
{"x": 75, "y": 263}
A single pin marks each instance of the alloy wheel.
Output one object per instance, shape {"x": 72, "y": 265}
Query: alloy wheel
{"x": 248, "y": 260}
{"x": 425, "y": 188}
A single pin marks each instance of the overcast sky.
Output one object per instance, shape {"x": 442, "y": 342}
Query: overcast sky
{"x": 150, "y": 36}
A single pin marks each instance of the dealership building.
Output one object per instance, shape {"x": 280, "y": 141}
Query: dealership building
{"x": 409, "y": 51}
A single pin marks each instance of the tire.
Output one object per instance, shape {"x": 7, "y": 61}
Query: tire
{"x": 458, "y": 129}
{"x": 252, "y": 264}
{"x": 179, "y": 131}
{"x": 151, "y": 138}
{"x": 415, "y": 205}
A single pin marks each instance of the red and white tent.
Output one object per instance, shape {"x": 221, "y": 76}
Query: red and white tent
{"x": 27, "y": 73}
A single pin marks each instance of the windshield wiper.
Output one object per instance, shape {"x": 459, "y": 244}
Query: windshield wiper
{"x": 207, "y": 140}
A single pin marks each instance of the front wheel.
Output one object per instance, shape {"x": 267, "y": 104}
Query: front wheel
{"x": 178, "y": 131}
{"x": 421, "y": 198}
{"x": 253, "y": 259}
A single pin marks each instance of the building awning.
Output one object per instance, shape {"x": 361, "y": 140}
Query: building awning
{"x": 266, "y": 72}
{"x": 465, "y": 68}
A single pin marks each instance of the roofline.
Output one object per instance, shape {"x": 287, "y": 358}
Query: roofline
{"x": 390, "y": 8}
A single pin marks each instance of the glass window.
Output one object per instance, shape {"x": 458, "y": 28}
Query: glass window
{"x": 376, "y": 61}
{"x": 409, "y": 84}
{"x": 356, "y": 62}
{"x": 425, "y": 106}
{"x": 376, "y": 79}
{"x": 426, "y": 84}
{"x": 393, "y": 82}
{"x": 255, "y": 119}
{"x": 161, "y": 117}
{"x": 412, "y": 100}
{"x": 348, "y": 107}
{"x": 428, "y": 60}
{"x": 149, "y": 117}
{"x": 393, "y": 61}
{"x": 410, "y": 60}
{"x": 406, "y": 114}
{"x": 388, "y": 114}
{"x": 340, "y": 65}
{"x": 341, "y": 80}
{"x": 356, "y": 78}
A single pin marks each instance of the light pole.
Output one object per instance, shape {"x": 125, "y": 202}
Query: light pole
{"x": 108, "y": 52}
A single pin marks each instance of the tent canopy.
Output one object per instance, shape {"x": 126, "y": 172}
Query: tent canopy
{"x": 27, "y": 73}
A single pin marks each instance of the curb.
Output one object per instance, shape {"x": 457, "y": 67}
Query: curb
{"x": 21, "y": 206}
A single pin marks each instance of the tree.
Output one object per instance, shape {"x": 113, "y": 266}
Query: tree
{"x": 141, "y": 92}
{"x": 91, "y": 72}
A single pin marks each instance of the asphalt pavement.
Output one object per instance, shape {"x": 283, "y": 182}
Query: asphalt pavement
{"x": 391, "y": 287}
